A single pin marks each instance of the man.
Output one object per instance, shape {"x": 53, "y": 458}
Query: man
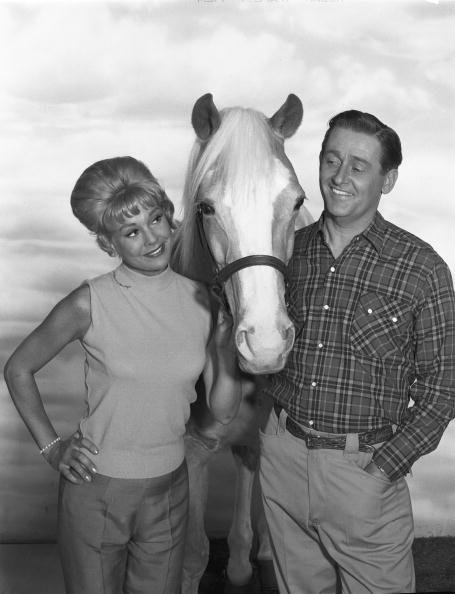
{"x": 373, "y": 308}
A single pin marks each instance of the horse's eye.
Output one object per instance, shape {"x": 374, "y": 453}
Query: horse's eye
{"x": 299, "y": 202}
{"x": 205, "y": 208}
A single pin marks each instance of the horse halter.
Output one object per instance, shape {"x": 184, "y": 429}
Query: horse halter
{"x": 221, "y": 276}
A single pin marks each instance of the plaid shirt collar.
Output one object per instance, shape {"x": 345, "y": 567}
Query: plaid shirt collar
{"x": 374, "y": 233}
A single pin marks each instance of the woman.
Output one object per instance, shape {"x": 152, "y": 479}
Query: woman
{"x": 146, "y": 334}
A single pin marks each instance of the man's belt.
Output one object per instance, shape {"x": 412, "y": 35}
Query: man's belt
{"x": 336, "y": 442}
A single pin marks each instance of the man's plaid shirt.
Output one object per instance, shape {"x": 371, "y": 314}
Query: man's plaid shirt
{"x": 374, "y": 328}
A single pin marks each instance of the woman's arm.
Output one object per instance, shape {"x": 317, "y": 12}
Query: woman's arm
{"x": 222, "y": 376}
{"x": 68, "y": 321}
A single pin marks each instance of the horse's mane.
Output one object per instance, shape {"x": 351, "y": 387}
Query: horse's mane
{"x": 239, "y": 153}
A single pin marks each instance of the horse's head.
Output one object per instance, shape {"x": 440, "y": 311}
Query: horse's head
{"x": 244, "y": 190}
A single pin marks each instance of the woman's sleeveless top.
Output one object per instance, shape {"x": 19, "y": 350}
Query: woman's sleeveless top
{"x": 145, "y": 349}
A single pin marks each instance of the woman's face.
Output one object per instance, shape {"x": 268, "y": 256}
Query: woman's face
{"x": 143, "y": 241}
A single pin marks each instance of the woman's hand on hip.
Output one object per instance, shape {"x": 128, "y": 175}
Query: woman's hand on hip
{"x": 68, "y": 458}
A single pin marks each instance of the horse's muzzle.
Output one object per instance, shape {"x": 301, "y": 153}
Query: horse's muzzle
{"x": 263, "y": 352}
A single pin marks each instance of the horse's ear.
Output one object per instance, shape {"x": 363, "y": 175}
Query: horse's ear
{"x": 288, "y": 118}
{"x": 205, "y": 117}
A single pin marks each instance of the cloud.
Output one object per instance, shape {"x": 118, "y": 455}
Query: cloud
{"x": 432, "y": 488}
{"x": 41, "y": 274}
{"x": 49, "y": 77}
{"x": 83, "y": 81}
{"x": 440, "y": 72}
{"x": 141, "y": 70}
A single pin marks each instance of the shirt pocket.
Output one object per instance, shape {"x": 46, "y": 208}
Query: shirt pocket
{"x": 381, "y": 327}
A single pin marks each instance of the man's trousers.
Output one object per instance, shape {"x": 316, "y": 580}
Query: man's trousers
{"x": 333, "y": 526}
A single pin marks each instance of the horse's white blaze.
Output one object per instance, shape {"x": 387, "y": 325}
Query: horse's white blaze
{"x": 263, "y": 327}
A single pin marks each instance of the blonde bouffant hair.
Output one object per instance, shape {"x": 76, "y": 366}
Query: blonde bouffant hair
{"x": 112, "y": 190}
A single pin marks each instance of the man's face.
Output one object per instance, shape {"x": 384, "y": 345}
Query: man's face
{"x": 351, "y": 177}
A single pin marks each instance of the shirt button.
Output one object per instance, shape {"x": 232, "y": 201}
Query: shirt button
{"x": 369, "y": 310}
{"x": 320, "y": 345}
{"x": 326, "y": 306}
{"x": 394, "y": 320}
{"x": 314, "y": 384}
{"x": 310, "y": 422}
{"x": 332, "y": 269}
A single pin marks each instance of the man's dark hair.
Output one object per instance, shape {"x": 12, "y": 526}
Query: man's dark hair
{"x": 360, "y": 121}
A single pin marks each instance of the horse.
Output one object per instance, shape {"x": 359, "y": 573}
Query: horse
{"x": 241, "y": 204}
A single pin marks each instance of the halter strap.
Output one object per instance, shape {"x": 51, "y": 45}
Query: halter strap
{"x": 221, "y": 276}
{"x": 246, "y": 262}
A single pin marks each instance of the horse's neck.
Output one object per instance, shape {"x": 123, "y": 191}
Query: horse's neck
{"x": 198, "y": 265}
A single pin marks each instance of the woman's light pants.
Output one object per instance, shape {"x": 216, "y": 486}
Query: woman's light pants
{"x": 123, "y": 536}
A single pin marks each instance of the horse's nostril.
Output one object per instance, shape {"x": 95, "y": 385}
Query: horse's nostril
{"x": 239, "y": 338}
{"x": 289, "y": 336}
{"x": 242, "y": 335}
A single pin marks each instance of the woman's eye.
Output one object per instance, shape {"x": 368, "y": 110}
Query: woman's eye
{"x": 132, "y": 233}
{"x": 157, "y": 219}
{"x": 205, "y": 208}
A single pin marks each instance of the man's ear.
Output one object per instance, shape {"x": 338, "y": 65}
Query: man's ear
{"x": 389, "y": 181}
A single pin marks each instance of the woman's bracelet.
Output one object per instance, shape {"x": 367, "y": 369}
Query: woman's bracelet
{"x": 49, "y": 445}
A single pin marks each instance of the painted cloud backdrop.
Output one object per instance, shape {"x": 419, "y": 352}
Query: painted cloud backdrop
{"x": 83, "y": 81}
